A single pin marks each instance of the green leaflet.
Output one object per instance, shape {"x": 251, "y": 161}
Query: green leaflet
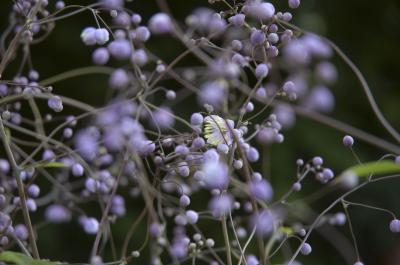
{"x": 52, "y": 165}
{"x": 373, "y": 168}
{"x": 22, "y": 259}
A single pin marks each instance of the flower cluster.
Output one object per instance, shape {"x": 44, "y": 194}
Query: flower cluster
{"x": 180, "y": 167}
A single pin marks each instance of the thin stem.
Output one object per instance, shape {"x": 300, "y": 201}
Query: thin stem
{"x": 226, "y": 239}
{"x": 21, "y": 191}
{"x": 353, "y": 236}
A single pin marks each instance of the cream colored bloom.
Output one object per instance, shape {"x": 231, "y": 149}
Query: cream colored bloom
{"x": 217, "y": 131}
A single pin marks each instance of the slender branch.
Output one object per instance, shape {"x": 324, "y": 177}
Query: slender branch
{"x": 21, "y": 191}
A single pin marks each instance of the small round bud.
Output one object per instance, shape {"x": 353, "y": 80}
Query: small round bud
{"x": 261, "y": 71}
{"x": 306, "y": 249}
{"x": 184, "y": 200}
{"x": 257, "y": 37}
{"x": 197, "y": 237}
{"x": 33, "y": 190}
{"x": 348, "y": 141}
{"x": 196, "y": 119}
{"x": 296, "y": 186}
{"x": 294, "y": 3}
{"x": 210, "y": 242}
{"x": 395, "y": 226}
{"x": 135, "y": 254}
{"x": 192, "y": 217}
{"x": 170, "y": 95}
{"x": 317, "y": 161}
{"x": 237, "y": 164}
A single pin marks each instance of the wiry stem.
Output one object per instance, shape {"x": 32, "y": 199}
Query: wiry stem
{"x": 21, "y": 191}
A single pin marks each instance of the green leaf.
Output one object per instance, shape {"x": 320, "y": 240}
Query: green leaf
{"x": 52, "y": 164}
{"x": 350, "y": 177}
{"x": 22, "y": 259}
{"x": 374, "y": 168}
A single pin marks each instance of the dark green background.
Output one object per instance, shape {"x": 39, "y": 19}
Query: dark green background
{"x": 368, "y": 31}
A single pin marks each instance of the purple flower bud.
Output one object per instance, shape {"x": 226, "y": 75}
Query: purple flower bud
{"x": 296, "y": 186}
{"x": 3, "y": 90}
{"x": 237, "y": 45}
{"x": 260, "y": 11}
{"x": 170, "y": 95}
{"x": 215, "y": 174}
{"x": 118, "y": 206}
{"x": 358, "y": 263}
{"x": 294, "y": 3}
{"x": 252, "y": 154}
{"x": 102, "y": 36}
{"x": 212, "y": 93}
{"x": 237, "y": 20}
{"x": 287, "y": 16}
{"x": 182, "y": 149}
{"x": 272, "y": 51}
{"x": 68, "y": 132}
{"x": 155, "y": 229}
{"x": 160, "y": 23}
{"x": 348, "y": 141}
{"x": 395, "y": 226}
{"x": 123, "y": 19}
{"x": 4, "y": 166}
{"x": 306, "y": 249}
{"x": 196, "y": 119}
{"x": 183, "y": 170}
{"x": 60, "y": 5}
{"x": 221, "y": 205}
{"x": 181, "y": 220}
{"x": 55, "y": 103}
{"x": 261, "y": 71}
{"x": 113, "y": 4}
{"x": 327, "y": 174}
{"x": 223, "y": 148}
{"x": 34, "y": 190}
{"x": 136, "y": 19}
{"x": 257, "y": 37}
{"x": 163, "y": 118}
{"x": 317, "y": 161}
{"x": 198, "y": 143}
{"x": 57, "y": 213}
{"x": 320, "y": 99}
{"x": 33, "y": 75}
{"x": 77, "y": 170}
{"x": 21, "y": 232}
{"x": 48, "y": 155}
{"x": 88, "y": 36}
{"x": 261, "y": 190}
{"x": 326, "y": 72}
{"x": 139, "y": 57}
{"x": 100, "y": 56}
{"x": 192, "y": 217}
{"x": 4, "y": 241}
{"x": 120, "y": 49}
{"x": 119, "y": 79}
{"x": 184, "y": 200}
{"x": 90, "y": 225}
{"x": 263, "y": 222}
{"x": 142, "y": 34}
{"x": 252, "y": 260}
